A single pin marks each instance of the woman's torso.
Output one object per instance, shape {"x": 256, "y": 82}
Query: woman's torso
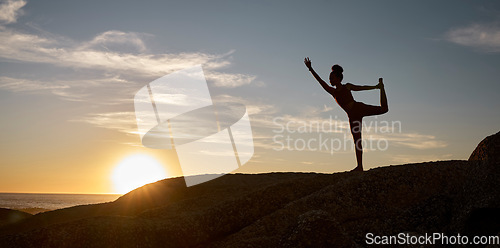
{"x": 344, "y": 97}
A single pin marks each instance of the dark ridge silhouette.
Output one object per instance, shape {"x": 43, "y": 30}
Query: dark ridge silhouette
{"x": 283, "y": 209}
{"x": 33, "y": 210}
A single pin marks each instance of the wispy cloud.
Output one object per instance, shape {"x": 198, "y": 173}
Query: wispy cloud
{"x": 230, "y": 80}
{"x": 10, "y": 10}
{"x": 26, "y": 85}
{"x": 253, "y": 106}
{"x": 419, "y": 141}
{"x": 485, "y": 36}
{"x": 114, "y": 40}
{"x": 411, "y": 140}
{"x": 125, "y": 121}
{"x": 33, "y": 48}
{"x": 110, "y": 89}
{"x": 118, "y": 121}
{"x": 113, "y": 51}
{"x": 316, "y": 121}
{"x": 36, "y": 49}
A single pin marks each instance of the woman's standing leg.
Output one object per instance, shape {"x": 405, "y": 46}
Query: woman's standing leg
{"x": 357, "y": 113}
{"x": 356, "y": 125}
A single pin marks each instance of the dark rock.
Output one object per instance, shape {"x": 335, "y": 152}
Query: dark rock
{"x": 316, "y": 228}
{"x": 488, "y": 150}
{"x": 9, "y": 216}
{"x": 483, "y": 221}
{"x": 431, "y": 215}
{"x": 481, "y": 188}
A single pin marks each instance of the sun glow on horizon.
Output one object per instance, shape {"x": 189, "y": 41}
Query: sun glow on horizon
{"x": 135, "y": 171}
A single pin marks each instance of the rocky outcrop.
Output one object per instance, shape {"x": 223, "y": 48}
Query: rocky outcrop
{"x": 479, "y": 199}
{"x": 282, "y": 209}
{"x": 488, "y": 150}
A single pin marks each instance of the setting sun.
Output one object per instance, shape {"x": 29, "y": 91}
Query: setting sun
{"x": 135, "y": 171}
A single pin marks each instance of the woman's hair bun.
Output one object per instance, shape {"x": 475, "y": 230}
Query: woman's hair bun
{"x": 337, "y": 69}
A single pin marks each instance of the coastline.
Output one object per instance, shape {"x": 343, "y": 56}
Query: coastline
{"x": 34, "y": 203}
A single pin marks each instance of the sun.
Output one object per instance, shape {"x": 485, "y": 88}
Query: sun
{"x": 135, "y": 171}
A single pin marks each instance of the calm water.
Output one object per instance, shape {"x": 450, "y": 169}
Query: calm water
{"x": 50, "y": 201}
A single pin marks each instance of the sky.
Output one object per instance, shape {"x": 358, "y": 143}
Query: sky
{"x": 69, "y": 71}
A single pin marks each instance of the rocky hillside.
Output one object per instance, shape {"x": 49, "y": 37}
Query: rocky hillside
{"x": 9, "y": 216}
{"x": 284, "y": 209}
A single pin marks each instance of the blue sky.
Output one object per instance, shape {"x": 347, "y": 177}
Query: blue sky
{"x": 69, "y": 71}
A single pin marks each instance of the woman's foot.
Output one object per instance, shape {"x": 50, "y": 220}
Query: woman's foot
{"x": 357, "y": 169}
{"x": 380, "y": 84}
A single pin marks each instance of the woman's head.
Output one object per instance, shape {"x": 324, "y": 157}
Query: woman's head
{"x": 336, "y": 75}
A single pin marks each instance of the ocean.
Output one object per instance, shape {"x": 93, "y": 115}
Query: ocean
{"x": 27, "y": 201}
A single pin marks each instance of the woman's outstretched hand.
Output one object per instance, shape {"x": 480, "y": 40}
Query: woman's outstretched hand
{"x": 307, "y": 61}
{"x": 380, "y": 84}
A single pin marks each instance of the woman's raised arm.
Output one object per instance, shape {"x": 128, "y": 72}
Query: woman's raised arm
{"x": 325, "y": 86}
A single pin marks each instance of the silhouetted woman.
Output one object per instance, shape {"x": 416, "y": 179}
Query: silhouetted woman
{"x": 355, "y": 110}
